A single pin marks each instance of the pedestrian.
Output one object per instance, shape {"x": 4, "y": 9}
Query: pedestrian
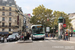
{"x": 25, "y": 34}
{"x": 28, "y": 35}
{"x": 2, "y": 39}
{"x": 71, "y": 34}
{"x": 46, "y": 34}
{"x": 66, "y": 36}
{"x": 5, "y": 39}
{"x": 50, "y": 34}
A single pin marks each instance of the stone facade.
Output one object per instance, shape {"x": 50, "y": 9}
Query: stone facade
{"x": 11, "y": 18}
{"x": 72, "y": 17}
{"x": 28, "y": 24}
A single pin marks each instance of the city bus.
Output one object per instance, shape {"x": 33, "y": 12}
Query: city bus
{"x": 38, "y": 32}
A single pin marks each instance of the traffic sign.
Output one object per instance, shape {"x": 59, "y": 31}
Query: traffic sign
{"x": 47, "y": 29}
{"x": 64, "y": 25}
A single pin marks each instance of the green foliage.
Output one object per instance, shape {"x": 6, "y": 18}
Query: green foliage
{"x": 57, "y": 14}
{"x": 41, "y": 14}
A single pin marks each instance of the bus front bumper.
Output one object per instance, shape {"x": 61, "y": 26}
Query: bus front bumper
{"x": 39, "y": 37}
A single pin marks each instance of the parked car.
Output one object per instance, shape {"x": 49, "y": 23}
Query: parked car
{"x": 17, "y": 35}
{"x": 11, "y": 38}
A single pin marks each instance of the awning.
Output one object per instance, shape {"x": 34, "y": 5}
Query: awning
{"x": 4, "y": 33}
{"x": 10, "y": 32}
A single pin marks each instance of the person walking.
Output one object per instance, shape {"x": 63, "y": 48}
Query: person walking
{"x": 2, "y": 39}
{"x": 25, "y": 34}
{"x": 66, "y": 36}
{"x": 28, "y": 35}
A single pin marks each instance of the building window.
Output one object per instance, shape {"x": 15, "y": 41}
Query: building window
{"x": 9, "y": 9}
{"x": 2, "y": 24}
{"x": 9, "y": 18}
{"x": 3, "y": 8}
{"x": 9, "y": 24}
{"x": 3, "y": 29}
{"x": 3, "y": 18}
{"x": 9, "y": 29}
{"x": 3, "y": 13}
{"x": 9, "y": 13}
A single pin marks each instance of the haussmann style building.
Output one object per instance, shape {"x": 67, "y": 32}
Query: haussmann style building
{"x": 11, "y": 17}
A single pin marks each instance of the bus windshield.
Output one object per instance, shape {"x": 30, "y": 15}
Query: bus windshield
{"x": 37, "y": 30}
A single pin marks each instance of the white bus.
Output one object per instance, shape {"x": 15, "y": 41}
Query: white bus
{"x": 38, "y": 32}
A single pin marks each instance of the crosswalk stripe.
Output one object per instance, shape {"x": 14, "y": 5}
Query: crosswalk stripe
{"x": 46, "y": 41}
{"x": 52, "y": 40}
{"x": 71, "y": 42}
{"x": 41, "y": 41}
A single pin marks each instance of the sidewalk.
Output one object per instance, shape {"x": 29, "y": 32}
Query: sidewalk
{"x": 27, "y": 41}
{"x": 72, "y": 39}
{"x": 50, "y": 38}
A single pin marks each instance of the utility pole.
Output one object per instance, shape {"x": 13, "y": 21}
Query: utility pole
{"x": 53, "y": 27}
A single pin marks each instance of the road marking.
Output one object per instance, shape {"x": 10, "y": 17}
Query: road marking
{"x": 41, "y": 41}
{"x": 47, "y": 41}
{"x": 71, "y": 42}
{"x": 52, "y": 40}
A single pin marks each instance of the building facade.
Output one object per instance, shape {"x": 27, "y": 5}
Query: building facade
{"x": 11, "y": 17}
{"x": 72, "y": 17}
{"x": 28, "y": 24}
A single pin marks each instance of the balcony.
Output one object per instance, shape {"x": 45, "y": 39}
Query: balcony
{"x": 17, "y": 26}
{"x": 6, "y": 10}
{"x": 9, "y": 26}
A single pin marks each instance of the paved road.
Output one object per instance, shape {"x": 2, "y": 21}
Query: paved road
{"x": 48, "y": 44}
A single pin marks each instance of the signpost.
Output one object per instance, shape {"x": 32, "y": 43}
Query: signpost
{"x": 47, "y": 29}
{"x": 64, "y": 25}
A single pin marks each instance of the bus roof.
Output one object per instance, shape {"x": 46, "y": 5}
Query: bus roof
{"x": 36, "y": 25}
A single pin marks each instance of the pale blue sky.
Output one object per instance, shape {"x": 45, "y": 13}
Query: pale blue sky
{"x": 67, "y": 6}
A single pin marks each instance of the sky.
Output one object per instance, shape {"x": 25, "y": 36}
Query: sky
{"x": 67, "y": 6}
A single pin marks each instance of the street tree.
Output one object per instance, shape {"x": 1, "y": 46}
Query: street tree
{"x": 57, "y": 14}
{"x": 42, "y": 15}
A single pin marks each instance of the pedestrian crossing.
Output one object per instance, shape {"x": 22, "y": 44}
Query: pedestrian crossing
{"x": 40, "y": 41}
{"x": 61, "y": 41}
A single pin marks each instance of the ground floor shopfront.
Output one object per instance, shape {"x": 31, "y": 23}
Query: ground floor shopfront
{"x": 6, "y": 33}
